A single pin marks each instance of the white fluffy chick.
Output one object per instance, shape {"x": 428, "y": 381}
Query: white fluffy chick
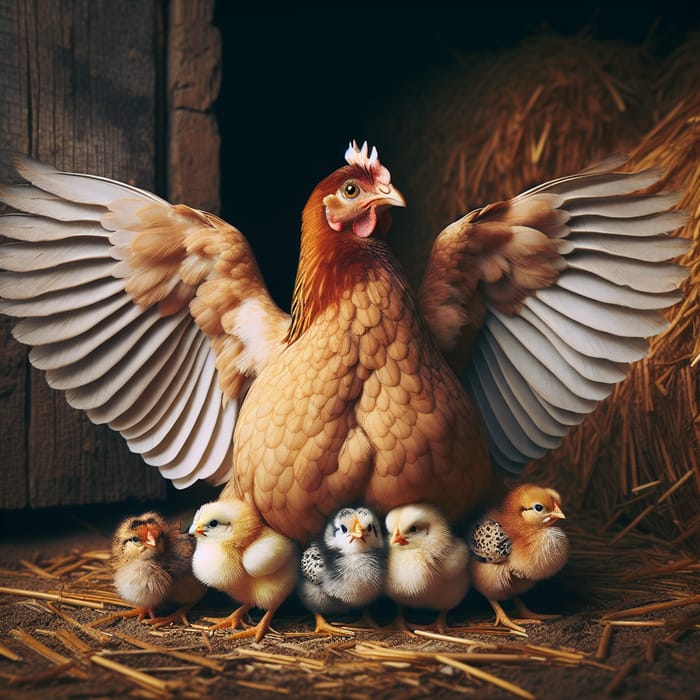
{"x": 237, "y": 553}
{"x": 428, "y": 565}
{"x": 516, "y": 544}
{"x": 343, "y": 569}
{"x": 152, "y": 568}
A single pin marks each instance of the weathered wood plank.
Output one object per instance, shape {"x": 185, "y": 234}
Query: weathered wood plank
{"x": 193, "y": 82}
{"x": 81, "y": 93}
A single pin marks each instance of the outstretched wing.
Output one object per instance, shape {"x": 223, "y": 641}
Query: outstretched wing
{"x": 151, "y": 317}
{"x": 544, "y": 300}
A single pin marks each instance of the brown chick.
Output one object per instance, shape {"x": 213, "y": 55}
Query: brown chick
{"x": 516, "y": 544}
{"x": 155, "y": 319}
{"x": 152, "y": 568}
{"x": 238, "y": 554}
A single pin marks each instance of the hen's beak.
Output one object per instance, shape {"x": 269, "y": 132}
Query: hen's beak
{"x": 389, "y": 198}
{"x": 356, "y": 530}
{"x": 398, "y": 538}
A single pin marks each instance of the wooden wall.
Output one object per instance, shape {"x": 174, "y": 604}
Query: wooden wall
{"x": 122, "y": 89}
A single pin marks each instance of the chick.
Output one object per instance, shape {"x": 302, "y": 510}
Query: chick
{"x": 238, "y": 554}
{"x": 428, "y": 565}
{"x": 515, "y": 545}
{"x": 344, "y": 568}
{"x": 152, "y": 568}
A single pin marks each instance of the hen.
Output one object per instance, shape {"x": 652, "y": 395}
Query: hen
{"x": 155, "y": 319}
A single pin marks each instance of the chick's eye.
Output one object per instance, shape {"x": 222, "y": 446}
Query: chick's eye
{"x": 343, "y": 528}
{"x": 350, "y": 190}
{"x": 414, "y": 529}
{"x": 370, "y": 527}
{"x": 213, "y": 523}
{"x": 538, "y": 507}
{"x": 135, "y": 538}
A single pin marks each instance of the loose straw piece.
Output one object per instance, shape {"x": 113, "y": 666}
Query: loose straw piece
{"x": 56, "y": 597}
{"x": 484, "y": 676}
{"x": 604, "y": 643}
{"x": 140, "y": 678}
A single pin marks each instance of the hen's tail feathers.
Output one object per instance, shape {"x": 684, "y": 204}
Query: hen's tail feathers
{"x": 537, "y": 373}
{"x": 150, "y": 376}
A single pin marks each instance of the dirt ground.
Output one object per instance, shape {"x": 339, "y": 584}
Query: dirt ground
{"x": 602, "y": 645}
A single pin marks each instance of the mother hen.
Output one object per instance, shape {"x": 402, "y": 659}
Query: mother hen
{"x": 154, "y": 318}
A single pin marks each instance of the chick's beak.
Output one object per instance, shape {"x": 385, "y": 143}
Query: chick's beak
{"x": 398, "y": 538}
{"x": 555, "y": 515}
{"x": 196, "y": 529}
{"x": 357, "y": 532}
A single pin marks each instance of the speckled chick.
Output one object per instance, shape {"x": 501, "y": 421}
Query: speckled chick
{"x": 515, "y": 545}
{"x": 344, "y": 568}
{"x": 152, "y": 567}
{"x": 428, "y": 565}
{"x": 238, "y": 554}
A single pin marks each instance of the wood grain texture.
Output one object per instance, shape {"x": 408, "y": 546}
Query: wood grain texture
{"x": 78, "y": 91}
{"x": 193, "y": 82}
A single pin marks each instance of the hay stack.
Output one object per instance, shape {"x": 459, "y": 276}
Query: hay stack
{"x": 637, "y": 457}
{"x": 490, "y": 126}
{"x": 493, "y": 126}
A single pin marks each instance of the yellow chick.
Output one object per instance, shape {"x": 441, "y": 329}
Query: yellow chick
{"x": 515, "y": 545}
{"x": 152, "y": 568}
{"x": 428, "y": 565}
{"x": 238, "y": 554}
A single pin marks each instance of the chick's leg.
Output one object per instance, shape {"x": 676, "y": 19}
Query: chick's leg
{"x": 503, "y": 619}
{"x": 323, "y": 627}
{"x": 176, "y": 616}
{"x": 233, "y": 620}
{"x": 258, "y": 631}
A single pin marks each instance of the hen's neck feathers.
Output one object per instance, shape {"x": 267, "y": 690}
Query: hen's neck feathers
{"x": 330, "y": 262}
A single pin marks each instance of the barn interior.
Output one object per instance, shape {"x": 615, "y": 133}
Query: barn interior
{"x": 427, "y": 85}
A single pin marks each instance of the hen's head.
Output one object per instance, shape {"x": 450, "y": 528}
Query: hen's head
{"x": 342, "y": 231}
{"x": 357, "y": 197}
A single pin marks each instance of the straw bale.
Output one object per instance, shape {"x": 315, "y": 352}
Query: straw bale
{"x": 648, "y": 431}
{"x": 486, "y": 127}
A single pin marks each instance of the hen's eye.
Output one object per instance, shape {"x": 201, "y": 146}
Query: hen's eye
{"x": 538, "y": 507}
{"x": 135, "y": 538}
{"x": 350, "y": 190}
{"x": 213, "y": 523}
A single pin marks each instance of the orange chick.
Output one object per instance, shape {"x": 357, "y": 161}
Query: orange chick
{"x": 238, "y": 554}
{"x": 515, "y": 545}
{"x": 152, "y": 568}
{"x": 155, "y": 319}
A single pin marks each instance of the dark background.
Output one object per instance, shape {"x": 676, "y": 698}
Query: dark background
{"x": 299, "y": 83}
